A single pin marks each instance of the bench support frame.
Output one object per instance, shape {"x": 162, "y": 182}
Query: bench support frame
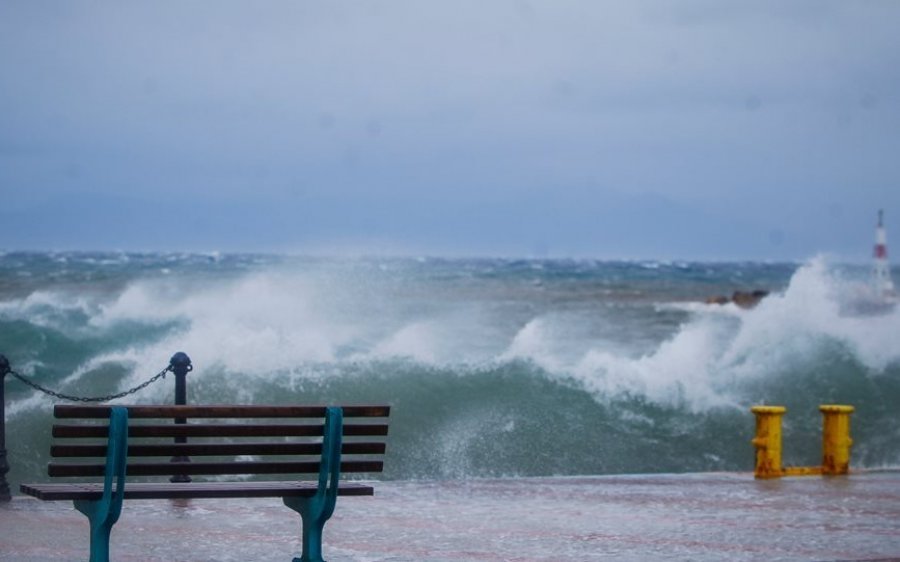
{"x": 316, "y": 510}
{"x": 104, "y": 513}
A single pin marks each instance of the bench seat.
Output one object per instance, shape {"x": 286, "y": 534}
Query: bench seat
{"x": 187, "y": 490}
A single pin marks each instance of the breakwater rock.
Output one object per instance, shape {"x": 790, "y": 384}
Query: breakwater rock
{"x": 743, "y": 299}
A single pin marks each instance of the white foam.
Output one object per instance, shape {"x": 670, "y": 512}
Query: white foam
{"x": 419, "y": 341}
{"x": 533, "y": 342}
{"x": 795, "y": 324}
{"x": 49, "y": 309}
{"x": 256, "y": 324}
{"x": 702, "y": 365}
{"x": 278, "y": 323}
{"x": 681, "y": 370}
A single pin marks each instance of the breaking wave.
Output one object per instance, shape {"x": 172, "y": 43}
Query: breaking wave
{"x": 493, "y": 367}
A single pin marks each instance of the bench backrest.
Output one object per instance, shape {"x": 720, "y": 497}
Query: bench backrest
{"x": 218, "y": 440}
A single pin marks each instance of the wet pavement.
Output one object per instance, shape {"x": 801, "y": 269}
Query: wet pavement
{"x": 717, "y": 516}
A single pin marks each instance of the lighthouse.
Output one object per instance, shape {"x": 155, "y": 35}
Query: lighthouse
{"x": 884, "y": 286}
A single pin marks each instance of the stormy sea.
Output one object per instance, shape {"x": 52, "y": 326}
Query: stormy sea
{"x": 493, "y": 367}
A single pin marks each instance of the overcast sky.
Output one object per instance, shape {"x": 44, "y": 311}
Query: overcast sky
{"x": 632, "y": 129}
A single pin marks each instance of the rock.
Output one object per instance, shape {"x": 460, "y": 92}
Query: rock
{"x": 743, "y": 299}
{"x": 748, "y": 299}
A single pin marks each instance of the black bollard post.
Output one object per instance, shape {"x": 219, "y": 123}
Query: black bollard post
{"x": 4, "y": 466}
{"x": 181, "y": 366}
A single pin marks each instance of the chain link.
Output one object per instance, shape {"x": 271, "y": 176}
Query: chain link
{"x": 36, "y": 386}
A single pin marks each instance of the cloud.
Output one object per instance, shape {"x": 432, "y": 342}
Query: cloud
{"x": 760, "y": 110}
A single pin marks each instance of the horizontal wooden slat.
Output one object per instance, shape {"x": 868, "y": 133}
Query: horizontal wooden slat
{"x": 224, "y": 434}
{"x": 141, "y": 490}
{"x": 219, "y": 411}
{"x": 216, "y": 449}
{"x": 218, "y": 430}
{"x": 210, "y": 468}
{"x": 193, "y": 430}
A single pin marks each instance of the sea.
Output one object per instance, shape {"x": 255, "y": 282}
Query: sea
{"x": 493, "y": 367}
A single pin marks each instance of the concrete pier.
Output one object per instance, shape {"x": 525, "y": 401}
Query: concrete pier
{"x": 716, "y": 516}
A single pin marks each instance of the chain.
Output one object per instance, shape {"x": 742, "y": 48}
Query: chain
{"x": 36, "y": 386}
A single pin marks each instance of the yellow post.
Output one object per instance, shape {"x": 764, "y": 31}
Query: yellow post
{"x": 768, "y": 441}
{"x": 836, "y": 440}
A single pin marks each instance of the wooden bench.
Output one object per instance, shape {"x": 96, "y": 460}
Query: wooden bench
{"x": 255, "y": 442}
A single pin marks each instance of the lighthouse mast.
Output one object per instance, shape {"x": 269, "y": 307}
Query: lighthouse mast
{"x": 884, "y": 286}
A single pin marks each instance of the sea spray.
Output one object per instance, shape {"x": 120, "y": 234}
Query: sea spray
{"x": 493, "y": 367}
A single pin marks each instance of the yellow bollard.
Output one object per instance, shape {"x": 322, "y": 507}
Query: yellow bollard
{"x": 836, "y": 440}
{"x": 768, "y": 441}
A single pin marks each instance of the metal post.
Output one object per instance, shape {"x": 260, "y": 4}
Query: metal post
{"x": 180, "y": 365}
{"x": 4, "y": 466}
{"x": 768, "y": 441}
{"x": 836, "y": 441}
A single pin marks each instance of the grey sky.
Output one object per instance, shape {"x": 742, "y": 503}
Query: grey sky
{"x": 691, "y": 129}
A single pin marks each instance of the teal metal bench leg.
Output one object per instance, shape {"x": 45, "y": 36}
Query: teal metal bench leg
{"x": 104, "y": 513}
{"x": 316, "y": 510}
